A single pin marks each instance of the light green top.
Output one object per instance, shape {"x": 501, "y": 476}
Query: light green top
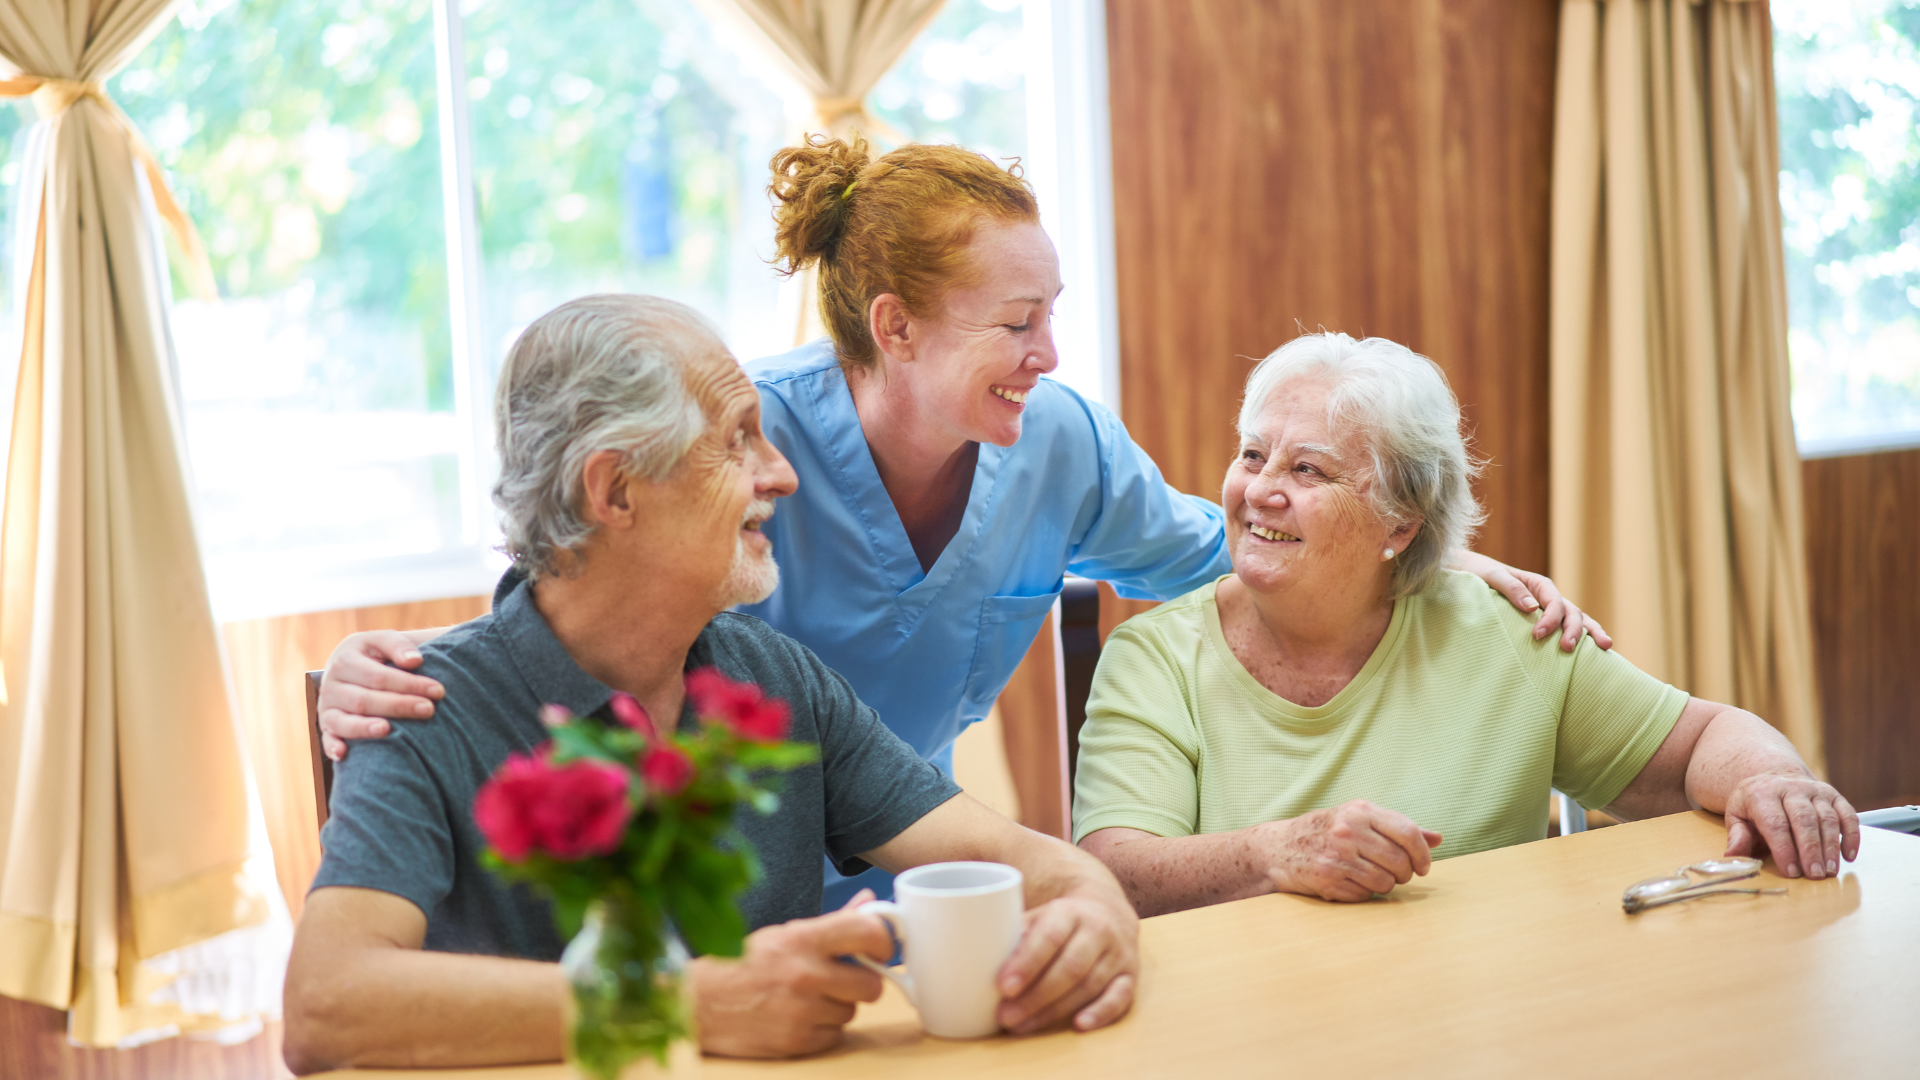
{"x": 1459, "y": 720}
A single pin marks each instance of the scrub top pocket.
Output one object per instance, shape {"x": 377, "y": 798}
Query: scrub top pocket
{"x": 1008, "y": 625}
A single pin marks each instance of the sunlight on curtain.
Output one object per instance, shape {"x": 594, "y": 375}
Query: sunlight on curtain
{"x": 1675, "y": 507}
{"x": 132, "y": 858}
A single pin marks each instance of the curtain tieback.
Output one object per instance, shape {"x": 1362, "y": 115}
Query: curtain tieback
{"x": 54, "y": 96}
{"x": 832, "y": 110}
{"x": 842, "y": 116}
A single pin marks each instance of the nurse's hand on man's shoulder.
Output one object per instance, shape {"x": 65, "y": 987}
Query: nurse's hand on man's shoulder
{"x": 369, "y": 681}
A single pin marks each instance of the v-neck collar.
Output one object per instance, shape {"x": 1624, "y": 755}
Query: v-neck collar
{"x": 859, "y": 478}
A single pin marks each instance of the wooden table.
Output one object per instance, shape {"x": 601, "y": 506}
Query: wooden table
{"x": 1516, "y": 962}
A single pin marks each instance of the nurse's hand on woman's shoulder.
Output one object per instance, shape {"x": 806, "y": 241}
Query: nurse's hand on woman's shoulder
{"x": 1532, "y": 592}
{"x": 369, "y": 681}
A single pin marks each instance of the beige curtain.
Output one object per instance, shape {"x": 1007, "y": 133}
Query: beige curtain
{"x": 837, "y": 50}
{"x": 125, "y": 832}
{"x": 1675, "y": 500}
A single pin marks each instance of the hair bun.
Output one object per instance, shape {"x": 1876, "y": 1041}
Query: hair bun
{"x": 811, "y": 188}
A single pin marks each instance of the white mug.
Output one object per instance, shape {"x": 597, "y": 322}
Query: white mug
{"x": 957, "y": 922}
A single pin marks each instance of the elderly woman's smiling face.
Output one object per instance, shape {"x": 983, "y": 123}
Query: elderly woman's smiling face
{"x": 1296, "y": 500}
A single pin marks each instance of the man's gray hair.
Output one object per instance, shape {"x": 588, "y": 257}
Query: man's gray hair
{"x": 597, "y": 373}
{"x": 1399, "y": 403}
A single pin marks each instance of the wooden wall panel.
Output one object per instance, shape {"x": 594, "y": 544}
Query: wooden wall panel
{"x": 33, "y": 1046}
{"x": 1863, "y": 514}
{"x": 1372, "y": 168}
{"x": 1290, "y": 165}
{"x": 269, "y": 658}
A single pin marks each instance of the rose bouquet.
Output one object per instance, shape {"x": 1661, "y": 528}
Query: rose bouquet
{"x": 628, "y": 829}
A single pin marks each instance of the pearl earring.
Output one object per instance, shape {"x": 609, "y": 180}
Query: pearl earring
{"x": 1387, "y": 554}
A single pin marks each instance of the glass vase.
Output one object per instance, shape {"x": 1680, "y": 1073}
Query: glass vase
{"x": 631, "y": 1009}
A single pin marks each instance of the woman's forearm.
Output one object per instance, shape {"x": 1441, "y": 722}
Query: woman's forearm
{"x": 1162, "y": 874}
{"x": 1735, "y": 746}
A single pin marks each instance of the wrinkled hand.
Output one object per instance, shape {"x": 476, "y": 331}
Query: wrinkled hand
{"x": 1077, "y": 956}
{"x": 360, "y": 689}
{"x": 790, "y": 993}
{"x": 1806, "y": 825}
{"x": 1527, "y": 590}
{"x": 1347, "y": 853}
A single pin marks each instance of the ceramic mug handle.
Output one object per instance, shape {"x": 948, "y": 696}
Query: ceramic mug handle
{"x": 891, "y": 915}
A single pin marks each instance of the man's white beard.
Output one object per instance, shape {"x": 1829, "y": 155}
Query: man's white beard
{"x": 754, "y": 574}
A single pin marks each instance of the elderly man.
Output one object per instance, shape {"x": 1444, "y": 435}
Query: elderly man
{"x": 634, "y": 481}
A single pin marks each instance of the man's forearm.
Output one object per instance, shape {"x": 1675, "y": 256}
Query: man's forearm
{"x": 378, "y": 1006}
{"x": 1162, "y": 874}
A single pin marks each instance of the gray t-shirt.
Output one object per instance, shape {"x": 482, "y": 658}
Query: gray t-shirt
{"x": 403, "y": 806}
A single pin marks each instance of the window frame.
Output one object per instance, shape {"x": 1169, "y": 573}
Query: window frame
{"x": 1069, "y": 144}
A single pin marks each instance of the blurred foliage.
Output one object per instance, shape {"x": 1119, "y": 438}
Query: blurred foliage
{"x": 303, "y": 139}
{"x": 1848, "y": 80}
{"x": 962, "y": 81}
{"x": 601, "y": 159}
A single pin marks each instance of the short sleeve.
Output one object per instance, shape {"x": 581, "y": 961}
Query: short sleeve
{"x": 1139, "y": 749}
{"x": 1612, "y": 720}
{"x": 388, "y": 827}
{"x": 1150, "y": 540}
{"x": 876, "y": 786}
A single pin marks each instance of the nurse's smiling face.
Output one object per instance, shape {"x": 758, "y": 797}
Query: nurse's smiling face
{"x": 970, "y": 366}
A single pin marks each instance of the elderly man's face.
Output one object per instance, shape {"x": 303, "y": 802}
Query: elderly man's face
{"x": 704, "y": 521}
{"x": 1296, "y": 499}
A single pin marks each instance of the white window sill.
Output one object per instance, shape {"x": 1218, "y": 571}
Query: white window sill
{"x": 1850, "y": 445}
{"x": 258, "y": 587}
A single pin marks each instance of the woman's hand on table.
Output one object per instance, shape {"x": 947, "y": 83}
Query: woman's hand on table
{"x": 1806, "y": 825}
{"x": 1078, "y": 956}
{"x": 368, "y": 682}
{"x": 1532, "y": 592}
{"x": 1348, "y": 853}
{"x": 790, "y": 992}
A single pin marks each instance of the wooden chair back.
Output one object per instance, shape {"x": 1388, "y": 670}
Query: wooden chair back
{"x": 322, "y": 764}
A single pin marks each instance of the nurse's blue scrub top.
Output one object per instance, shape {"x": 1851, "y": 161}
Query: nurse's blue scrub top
{"x": 931, "y": 651}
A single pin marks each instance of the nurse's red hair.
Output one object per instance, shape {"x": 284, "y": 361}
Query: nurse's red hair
{"x": 899, "y": 224}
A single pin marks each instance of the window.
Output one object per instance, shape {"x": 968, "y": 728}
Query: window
{"x": 318, "y": 391}
{"x": 1028, "y": 79}
{"x": 962, "y": 81}
{"x": 379, "y": 241}
{"x": 337, "y": 420}
{"x": 1848, "y": 79}
{"x": 619, "y": 163}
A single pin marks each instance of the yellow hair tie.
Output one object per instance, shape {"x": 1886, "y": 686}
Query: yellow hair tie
{"x": 849, "y": 191}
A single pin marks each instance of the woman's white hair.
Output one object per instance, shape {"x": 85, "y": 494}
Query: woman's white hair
{"x": 597, "y": 373}
{"x": 1400, "y": 406}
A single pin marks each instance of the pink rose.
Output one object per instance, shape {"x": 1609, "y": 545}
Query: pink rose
{"x": 567, "y": 811}
{"x": 634, "y": 715}
{"x": 741, "y": 706}
{"x": 667, "y": 770}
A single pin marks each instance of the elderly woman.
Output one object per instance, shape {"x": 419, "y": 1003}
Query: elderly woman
{"x": 1316, "y": 721}
{"x": 945, "y": 485}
